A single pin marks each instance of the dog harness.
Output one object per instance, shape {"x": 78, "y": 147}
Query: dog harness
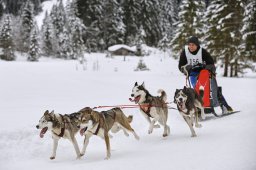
{"x": 62, "y": 129}
{"x": 104, "y": 118}
{"x": 146, "y": 109}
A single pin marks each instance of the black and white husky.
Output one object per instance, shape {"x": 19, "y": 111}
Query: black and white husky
{"x": 188, "y": 101}
{"x": 61, "y": 126}
{"x": 153, "y": 108}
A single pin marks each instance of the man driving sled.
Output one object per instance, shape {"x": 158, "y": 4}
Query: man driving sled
{"x": 196, "y": 63}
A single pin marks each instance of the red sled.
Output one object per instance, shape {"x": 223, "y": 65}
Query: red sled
{"x": 204, "y": 81}
{"x": 212, "y": 93}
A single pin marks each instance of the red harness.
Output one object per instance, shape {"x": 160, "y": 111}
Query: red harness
{"x": 146, "y": 109}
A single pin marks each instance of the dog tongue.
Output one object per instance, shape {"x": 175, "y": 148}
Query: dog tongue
{"x": 82, "y": 131}
{"x": 136, "y": 99}
{"x": 43, "y": 131}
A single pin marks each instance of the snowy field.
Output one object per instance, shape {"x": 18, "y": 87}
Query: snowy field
{"x": 28, "y": 89}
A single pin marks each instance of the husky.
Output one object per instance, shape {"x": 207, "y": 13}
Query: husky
{"x": 188, "y": 101}
{"x": 61, "y": 126}
{"x": 100, "y": 123}
{"x": 153, "y": 108}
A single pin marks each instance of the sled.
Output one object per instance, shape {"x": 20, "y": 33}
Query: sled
{"x": 212, "y": 94}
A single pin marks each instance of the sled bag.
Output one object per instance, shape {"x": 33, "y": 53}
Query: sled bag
{"x": 204, "y": 80}
{"x": 214, "y": 92}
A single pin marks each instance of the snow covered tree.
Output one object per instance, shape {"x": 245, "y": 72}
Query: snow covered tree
{"x": 168, "y": 15}
{"x": 27, "y": 20}
{"x": 131, "y": 10}
{"x": 112, "y": 25}
{"x": 212, "y": 35}
{"x": 249, "y": 30}
{"x": 163, "y": 43}
{"x": 47, "y": 34}
{"x": 66, "y": 50}
{"x": 76, "y": 27}
{"x": 33, "y": 53}
{"x": 58, "y": 21}
{"x": 150, "y": 21}
{"x": 6, "y": 40}
{"x": 58, "y": 17}
{"x": 91, "y": 13}
{"x": 189, "y": 23}
{"x": 229, "y": 26}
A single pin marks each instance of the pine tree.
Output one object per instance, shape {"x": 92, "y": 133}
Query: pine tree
{"x": 131, "y": 21}
{"x": 33, "y": 53}
{"x": 6, "y": 40}
{"x": 212, "y": 35}
{"x": 76, "y": 28}
{"x": 168, "y": 16}
{"x": 27, "y": 20}
{"x": 91, "y": 12}
{"x": 189, "y": 24}
{"x": 47, "y": 35}
{"x": 229, "y": 26}
{"x": 112, "y": 24}
{"x": 66, "y": 50}
{"x": 249, "y": 31}
{"x": 150, "y": 21}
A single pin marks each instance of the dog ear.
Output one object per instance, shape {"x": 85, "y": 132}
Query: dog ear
{"x": 52, "y": 112}
{"x": 95, "y": 116}
{"x": 143, "y": 84}
{"x": 46, "y": 112}
{"x": 136, "y": 84}
{"x": 174, "y": 100}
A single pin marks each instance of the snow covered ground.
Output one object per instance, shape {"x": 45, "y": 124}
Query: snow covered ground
{"x": 28, "y": 89}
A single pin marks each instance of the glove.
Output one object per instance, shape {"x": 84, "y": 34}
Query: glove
{"x": 198, "y": 67}
{"x": 186, "y": 69}
{"x": 211, "y": 68}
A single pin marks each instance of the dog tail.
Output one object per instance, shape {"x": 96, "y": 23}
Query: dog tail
{"x": 163, "y": 94}
{"x": 121, "y": 114}
{"x": 130, "y": 117}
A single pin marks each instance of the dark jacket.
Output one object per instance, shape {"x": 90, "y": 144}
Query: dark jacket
{"x": 206, "y": 57}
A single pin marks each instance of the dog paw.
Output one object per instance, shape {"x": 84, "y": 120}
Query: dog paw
{"x": 165, "y": 135}
{"x": 157, "y": 126}
{"x": 198, "y": 125}
{"x": 126, "y": 134}
{"x": 52, "y": 157}
{"x": 79, "y": 157}
{"x": 107, "y": 157}
{"x": 150, "y": 131}
{"x": 193, "y": 135}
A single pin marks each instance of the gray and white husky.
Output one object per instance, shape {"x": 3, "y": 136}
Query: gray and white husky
{"x": 61, "y": 126}
{"x": 188, "y": 101}
{"x": 153, "y": 108}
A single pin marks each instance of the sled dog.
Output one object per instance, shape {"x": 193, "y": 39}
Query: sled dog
{"x": 61, "y": 126}
{"x": 188, "y": 101}
{"x": 100, "y": 123}
{"x": 153, "y": 108}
